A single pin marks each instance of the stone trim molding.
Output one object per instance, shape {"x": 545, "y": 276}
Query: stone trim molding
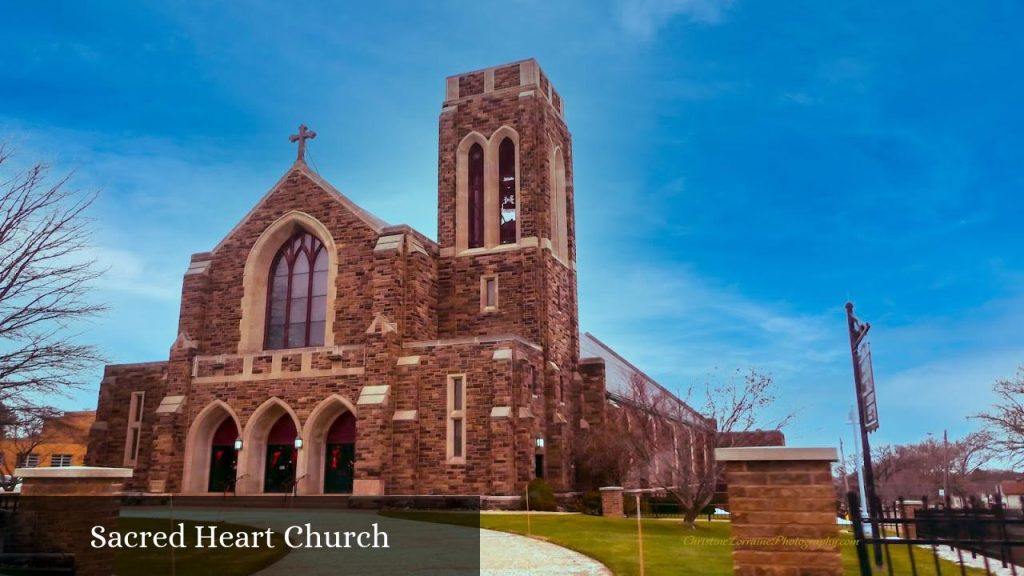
{"x": 405, "y": 416}
{"x": 408, "y": 361}
{"x": 170, "y": 405}
{"x": 774, "y": 454}
{"x": 373, "y": 395}
{"x": 347, "y": 360}
{"x": 198, "y": 267}
{"x": 471, "y": 340}
{"x": 502, "y": 354}
{"x": 74, "y": 472}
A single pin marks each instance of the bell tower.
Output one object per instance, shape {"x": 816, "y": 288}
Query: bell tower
{"x": 505, "y": 211}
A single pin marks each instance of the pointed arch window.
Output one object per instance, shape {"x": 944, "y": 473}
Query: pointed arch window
{"x": 476, "y": 196}
{"x": 297, "y": 299}
{"x": 507, "y": 191}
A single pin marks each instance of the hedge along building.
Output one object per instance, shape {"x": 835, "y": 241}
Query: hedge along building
{"x": 321, "y": 350}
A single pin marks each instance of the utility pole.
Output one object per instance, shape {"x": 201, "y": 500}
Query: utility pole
{"x": 945, "y": 479}
{"x": 856, "y": 456}
{"x": 842, "y": 460}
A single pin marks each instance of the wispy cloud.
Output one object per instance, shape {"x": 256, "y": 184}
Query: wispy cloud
{"x": 643, "y": 18}
{"x": 721, "y": 325}
{"x": 129, "y": 272}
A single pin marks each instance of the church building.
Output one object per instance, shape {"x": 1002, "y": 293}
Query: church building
{"x": 321, "y": 350}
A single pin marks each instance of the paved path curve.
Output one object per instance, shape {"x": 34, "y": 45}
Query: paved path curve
{"x": 504, "y": 554}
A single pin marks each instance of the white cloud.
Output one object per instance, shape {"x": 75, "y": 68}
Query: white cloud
{"x": 129, "y": 272}
{"x": 680, "y": 324}
{"x": 643, "y": 18}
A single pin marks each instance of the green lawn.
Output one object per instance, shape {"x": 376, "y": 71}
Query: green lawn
{"x": 192, "y": 561}
{"x": 613, "y": 541}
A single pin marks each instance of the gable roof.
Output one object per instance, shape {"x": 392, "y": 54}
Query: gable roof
{"x": 618, "y": 371}
{"x": 1011, "y": 488}
{"x": 375, "y": 223}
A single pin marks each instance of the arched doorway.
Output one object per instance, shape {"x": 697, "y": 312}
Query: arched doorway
{"x": 281, "y": 456}
{"x": 329, "y": 434}
{"x": 340, "y": 455}
{"x": 223, "y": 457}
{"x": 209, "y": 428}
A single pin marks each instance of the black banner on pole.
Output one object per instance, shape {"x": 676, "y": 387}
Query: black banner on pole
{"x": 867, "y": 386}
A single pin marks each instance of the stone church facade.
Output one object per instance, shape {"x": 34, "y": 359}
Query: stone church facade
{"x": 320, "y": 350}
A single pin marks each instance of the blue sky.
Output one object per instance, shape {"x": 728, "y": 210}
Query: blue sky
{"x": 741, "y": 168}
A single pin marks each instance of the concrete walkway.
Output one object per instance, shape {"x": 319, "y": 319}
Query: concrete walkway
{"x": 415, "y": 547}
{"x": 504, "y": 554}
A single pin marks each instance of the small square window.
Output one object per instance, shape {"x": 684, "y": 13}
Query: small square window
{"x": 60, "y": 460}
{"x": 28, "y": 460}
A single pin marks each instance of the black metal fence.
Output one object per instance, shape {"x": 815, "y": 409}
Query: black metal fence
{"x": 983, "y": 537}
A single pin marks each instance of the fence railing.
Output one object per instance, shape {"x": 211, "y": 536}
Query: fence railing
{"x": 983, "y": 537}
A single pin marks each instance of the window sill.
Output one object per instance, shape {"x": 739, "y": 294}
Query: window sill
{"x": 456, "y": 461}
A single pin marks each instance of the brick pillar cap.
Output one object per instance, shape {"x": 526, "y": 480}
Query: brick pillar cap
{"x": 774, "y": 453}
{"x": 610, "y": 488}
{"x": 73, "y": 472}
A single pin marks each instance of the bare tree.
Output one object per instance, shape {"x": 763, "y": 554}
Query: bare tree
{"x": 1005, "y": 420}
{"x": 913, "y": 470}
{"x": 45, "y": 275}
{"x": 668, "y": 446}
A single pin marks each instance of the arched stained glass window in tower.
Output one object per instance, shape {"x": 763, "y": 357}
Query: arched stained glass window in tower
{"x": 476, "y": 196}
{"x": 507, "y": 191}
{"x": 297, "y": 299}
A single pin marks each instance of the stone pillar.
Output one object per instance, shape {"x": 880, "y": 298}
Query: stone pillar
{"x": 59, "y": 507}
{"x": 611, "y": 502}
{"x": 782, "y": 505}
{"x": 908, "y": 510}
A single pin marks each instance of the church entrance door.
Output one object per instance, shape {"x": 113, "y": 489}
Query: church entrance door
{"x": 279, "y": 470}
{"x": 223, "y": 457}
{"x": 340, "y": 456}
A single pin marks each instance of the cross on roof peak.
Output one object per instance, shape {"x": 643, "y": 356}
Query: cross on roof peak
{"x": 303, "y": 135}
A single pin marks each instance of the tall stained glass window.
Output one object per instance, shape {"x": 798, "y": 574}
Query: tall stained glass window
{"x": 297, "y": 299}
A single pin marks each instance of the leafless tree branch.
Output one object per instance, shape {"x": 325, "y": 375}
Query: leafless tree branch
{"x": 45, "y": 278}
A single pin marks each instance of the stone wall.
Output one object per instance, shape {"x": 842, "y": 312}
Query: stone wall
{"x": 109, "y": 433}
{"x": 58, "y": 509}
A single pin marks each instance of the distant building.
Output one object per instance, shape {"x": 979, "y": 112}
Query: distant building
{"x": 1012, "y": 494}
{"x": 62, "y": 441}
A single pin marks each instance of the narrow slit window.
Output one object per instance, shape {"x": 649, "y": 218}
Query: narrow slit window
{"x": 475, "y": 206}
{"x": 507, "y": 191}
{"x": 133, "y": 440}
{"x": 488, "y": 293}
{"x": 456, "y": 418}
